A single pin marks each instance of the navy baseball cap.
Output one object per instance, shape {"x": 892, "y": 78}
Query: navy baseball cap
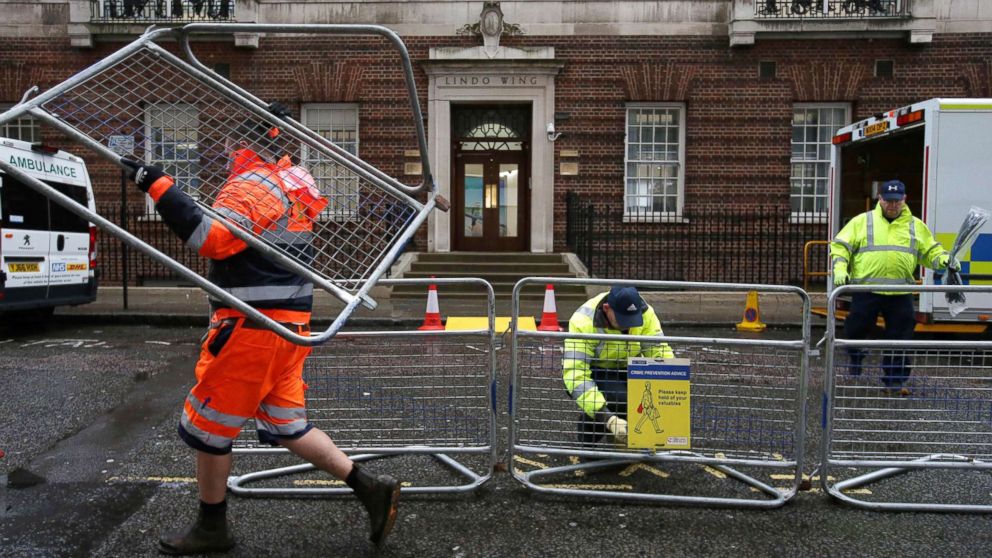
{"x": 893, "y": 190}
{"x": 627, "y": 306}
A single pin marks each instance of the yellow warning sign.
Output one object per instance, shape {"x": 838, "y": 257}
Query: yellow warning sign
{"x": 658, "y": 403}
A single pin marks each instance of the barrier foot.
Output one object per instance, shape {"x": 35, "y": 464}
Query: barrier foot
{"x": 237, "y": 483}
{"x": 529, "y": 479}
{"x": 836, "y": 490}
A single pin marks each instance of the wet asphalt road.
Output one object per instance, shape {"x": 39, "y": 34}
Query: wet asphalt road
{"x": 93, "y": 467}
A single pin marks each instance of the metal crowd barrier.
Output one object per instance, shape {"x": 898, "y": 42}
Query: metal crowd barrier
{"x": 746, "y": 415}
{"x": 158, "y": 107}
{"x": 925, "y": 448}
{"x": 412, "y": 396}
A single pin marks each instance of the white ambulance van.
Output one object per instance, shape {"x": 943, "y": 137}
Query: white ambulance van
{"x": 47, "y": 253}
{"x": 940, "y": 149}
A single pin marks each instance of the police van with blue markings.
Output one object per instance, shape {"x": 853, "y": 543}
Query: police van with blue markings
{"x": 940, "y": 149}
{"x": 47, "y": 253}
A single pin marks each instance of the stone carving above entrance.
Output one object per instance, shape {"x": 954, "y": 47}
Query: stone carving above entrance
{"x": 491, "y": 26}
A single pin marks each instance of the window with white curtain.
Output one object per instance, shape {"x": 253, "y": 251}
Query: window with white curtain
{"x": 813, "y": 128}
{"x": 654, "y": 161}
{"x": 26, "y": 128}
{"x": 172, "y": 136}
{"x": 338, "y": 122}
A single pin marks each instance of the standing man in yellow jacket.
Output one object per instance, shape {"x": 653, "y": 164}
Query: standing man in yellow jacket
{"x": 595, "y": 371}
{"x": 883, "y": 247}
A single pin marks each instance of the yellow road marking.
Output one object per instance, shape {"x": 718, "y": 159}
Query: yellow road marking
{"x": 634, "y": 467}
{"x": 814, "y": 478}
{"x": 328, "y": 482}
{"x": 317, "y": 482}
{"x": 574, "y": 460}
{"x": 530, "y": 462}
{"x": 715, "y": 472}
{"x": 187, "y": 480}
{"x": 590, "y": 486}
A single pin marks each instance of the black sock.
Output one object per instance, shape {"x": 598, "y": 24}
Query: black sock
{"x": 352, "y": 479}
{"x": 214, "y": 511}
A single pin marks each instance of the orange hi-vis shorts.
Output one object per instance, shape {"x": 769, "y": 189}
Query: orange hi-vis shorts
{"x": 247, "y": 371}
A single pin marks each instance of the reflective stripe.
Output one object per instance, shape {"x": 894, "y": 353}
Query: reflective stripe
{"x": 283, "y": 413}
{"x": 647, "y": 345}
{"x": 212, "y": 440}
{"x": 887, "y": 248}
{"x": 871, "y": 229}
{"x": 838, "y": 259}
{"x": 214, "y": 415}
{"x": 284, "y": 236}
{"x": 199, "y": 236}
{"x": 274, "y": 292}
{"x": 268, "y": 182}
{"x": 883, "y": 281}
{"x": 912, "y": 236}
{"x": 577, "y": 355}
{"x": 586, "y": 311}
{"x": 287, "y": 429}
{"x": 582, "y": 388}
{"x": 232, "y": 215}
{"x": 845, "y": 245}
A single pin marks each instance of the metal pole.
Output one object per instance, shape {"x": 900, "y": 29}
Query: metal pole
{"x": 124, "y": 244}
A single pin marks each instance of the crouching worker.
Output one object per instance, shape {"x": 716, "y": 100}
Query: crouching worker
{"x": 245, "y": 370}
{"x": 595, "y": 371}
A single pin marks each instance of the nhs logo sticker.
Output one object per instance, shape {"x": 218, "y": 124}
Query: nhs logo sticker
{"x": 58, "y": 267}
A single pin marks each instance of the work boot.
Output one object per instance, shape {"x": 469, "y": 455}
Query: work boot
{"x": 380, "y": 495}
{"x": 206, "y": 534}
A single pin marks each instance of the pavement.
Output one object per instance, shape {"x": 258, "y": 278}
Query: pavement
{"x": 184, "y": 305}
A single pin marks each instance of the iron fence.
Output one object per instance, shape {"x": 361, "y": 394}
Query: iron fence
{"x": 733, "y": 244}
{"x": 141, "y": 269}
{"x": 144, "y": 11}
{"x": 830, "y": 9}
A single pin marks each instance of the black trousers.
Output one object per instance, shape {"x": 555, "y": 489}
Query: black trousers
{"x": 900, "y": 320}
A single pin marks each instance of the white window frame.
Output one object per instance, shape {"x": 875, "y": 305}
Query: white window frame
{"x": 182, "y": 170}
{"x": 803, "y": 216}
{"x": 679, "y": 163}
{"x": 23, "y": 122}
{"x": 342, "y": 206}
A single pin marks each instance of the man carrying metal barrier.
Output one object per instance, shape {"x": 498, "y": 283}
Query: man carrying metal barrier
{"x": 245, "y": 370}
{"x": 883, "y": 247}
{"x": 595, "y": 371}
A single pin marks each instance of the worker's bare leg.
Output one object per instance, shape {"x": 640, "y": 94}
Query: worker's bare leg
{"x": 209, "y": 533}
{"x": 378, "y": 493}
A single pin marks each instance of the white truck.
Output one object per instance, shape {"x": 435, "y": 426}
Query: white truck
{"x": 940, "y": 149}
{"x": 47, "y": 253}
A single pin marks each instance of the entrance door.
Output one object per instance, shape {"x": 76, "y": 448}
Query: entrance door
{"x": 491, "y": 190}
{"x": 491, "y": 208}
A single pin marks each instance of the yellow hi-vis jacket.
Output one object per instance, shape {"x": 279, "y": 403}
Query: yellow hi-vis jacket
{"x": 582, "y": 355}
{"x": 877, "y": 252}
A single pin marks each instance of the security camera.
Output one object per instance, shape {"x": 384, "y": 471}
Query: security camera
{"x": 552, "y": 135}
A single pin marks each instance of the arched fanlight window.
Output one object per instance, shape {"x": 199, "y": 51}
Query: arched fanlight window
{"x": 504, "y": 128}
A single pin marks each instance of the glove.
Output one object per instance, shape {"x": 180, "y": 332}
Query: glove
{"x": 279, "y": 109}
{"x": 947, "y": 262}
{"x": 143, "y": 175}
{"x": 617, "y": 427}
{"x": 840, "y": 277}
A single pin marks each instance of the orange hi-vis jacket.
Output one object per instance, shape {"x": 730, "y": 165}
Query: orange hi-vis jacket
{"x": 244, "y": 370}
{"x": 277, "y": 202}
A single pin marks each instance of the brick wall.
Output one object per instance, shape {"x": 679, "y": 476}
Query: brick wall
{"x": 738, "y": 127}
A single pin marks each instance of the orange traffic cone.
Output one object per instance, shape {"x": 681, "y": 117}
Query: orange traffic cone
{"x": 549, "y": 318}
{"x": 432, "y": 317}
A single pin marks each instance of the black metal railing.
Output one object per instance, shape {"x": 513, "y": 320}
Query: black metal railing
{"x": 141, "y": 269}
{"x": 830, "y": 9}
{"x": 161, "y": 11}
{"x": 734, "y": 244}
